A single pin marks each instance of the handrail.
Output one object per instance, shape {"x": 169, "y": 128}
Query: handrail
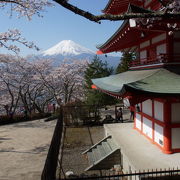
{"x": 50, "y": 167}
{"x": 148, "y": 174}
{"x": 96, "y": 144}
{"x": 161, "y": 58}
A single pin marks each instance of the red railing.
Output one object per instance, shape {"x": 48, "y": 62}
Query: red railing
{"x": 162, "y": 58}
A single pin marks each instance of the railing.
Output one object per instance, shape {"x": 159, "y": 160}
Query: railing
{"x": 53, "y": 164}
{"x": 162, "y": 58}
{"x": 148, "y": 175}
{"x": 81, "y": 115}
{"x": 50, "y": 167}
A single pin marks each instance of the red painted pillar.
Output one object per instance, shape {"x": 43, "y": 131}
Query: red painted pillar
{"x": 170, "y": 47}
{"x": 132, "y": 108}
{"x": 141, "y": 110}
{"x": 167, "y": 127}
{"x": 153, "y": 120}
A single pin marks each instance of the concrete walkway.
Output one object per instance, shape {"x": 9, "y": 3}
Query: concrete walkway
{"x": 23, "y": 149}
{"x": 141, "y": 154}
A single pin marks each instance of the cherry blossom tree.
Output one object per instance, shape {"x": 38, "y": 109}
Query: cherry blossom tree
{"x": 33, "y": 85}
{"x": 23, "y": 8}
{"x": 38, "y": 92}
{"x": 12, "y": 76}
{"x": 20, "y": 86}
{"x": 26, "y": 8}
{"x": 14, "y": 35}
{"x": 65, "y": 82}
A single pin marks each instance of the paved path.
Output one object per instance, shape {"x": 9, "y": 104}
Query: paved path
{"x": 140, "y": 153}
{"x": 23, "y": 149}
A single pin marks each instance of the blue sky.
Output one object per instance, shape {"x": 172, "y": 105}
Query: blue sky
{"x": 60, "y": 24}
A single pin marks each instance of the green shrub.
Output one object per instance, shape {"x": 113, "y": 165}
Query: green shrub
{"x": 52, "y": 117}
{"x": 35, "y": 116}
{"x": 4, "y": 119}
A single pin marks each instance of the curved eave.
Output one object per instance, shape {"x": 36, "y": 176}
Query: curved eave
{"x": 124, "y": 24}
{"x": 163, "y": 82}
{"x": 116, "y": 7}
{"x": 107, "y": 6}
{"x": 122, "y": 39}
{"x": 125, "y": 37}
{"x": 114, "y": 83}
{"x": 156, "y": 82}
{"x": 118, "y": 41}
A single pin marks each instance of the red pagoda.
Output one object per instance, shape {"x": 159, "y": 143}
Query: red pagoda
{"x": 153, "y": 79}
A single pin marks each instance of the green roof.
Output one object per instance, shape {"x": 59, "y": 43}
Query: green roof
{"x": 156, "y": 81}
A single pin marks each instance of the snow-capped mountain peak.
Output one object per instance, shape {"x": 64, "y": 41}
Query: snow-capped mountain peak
{"x": 67, "y": 48}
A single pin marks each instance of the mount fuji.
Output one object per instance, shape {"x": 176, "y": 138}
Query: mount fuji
{"x": 68, "y": 49}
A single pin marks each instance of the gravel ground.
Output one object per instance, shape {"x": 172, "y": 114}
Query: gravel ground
{"x": 23, "y": 149}
{"x": 78, "y": 140}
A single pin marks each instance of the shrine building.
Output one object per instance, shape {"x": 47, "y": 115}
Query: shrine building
{"x": 153, "y": 81}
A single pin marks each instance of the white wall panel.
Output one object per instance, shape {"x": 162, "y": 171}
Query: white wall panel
{"x": 147, "y": 107}
{"x": 161, "y": 49}
{"x": 138, "y": 121}
{"x": 144, "y": 44}
{"x": 158, "y": 111}
{"x": 143, "y": 54}
{"x": 175, "y": 112}
{"x": 175, "y": 138}
{"x": 159, "y": 38}
{"x": 147, "y": 127}
{"x": 158, "y": 134}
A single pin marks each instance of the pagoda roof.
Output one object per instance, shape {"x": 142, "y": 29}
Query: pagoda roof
{"x": 103, "y": 47}
{"x": 125, "y": 36}
{"x": 154, "y": 82}
{"x": 119, "y": 6}
{"x": 136, "y": 9}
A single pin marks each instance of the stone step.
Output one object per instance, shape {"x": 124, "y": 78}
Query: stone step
{"x": 106, "y": 147}
{"x": 97, "y": 154}
{"x": 90, "y": 157}
{"x": 112, "y": 145}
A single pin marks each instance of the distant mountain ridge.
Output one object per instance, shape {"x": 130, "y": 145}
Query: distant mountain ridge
{"x": 68, "y": 49}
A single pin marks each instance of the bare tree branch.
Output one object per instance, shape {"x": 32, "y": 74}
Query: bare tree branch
{"x": 98, "y": 18}
{"x": 78, "y": 11}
